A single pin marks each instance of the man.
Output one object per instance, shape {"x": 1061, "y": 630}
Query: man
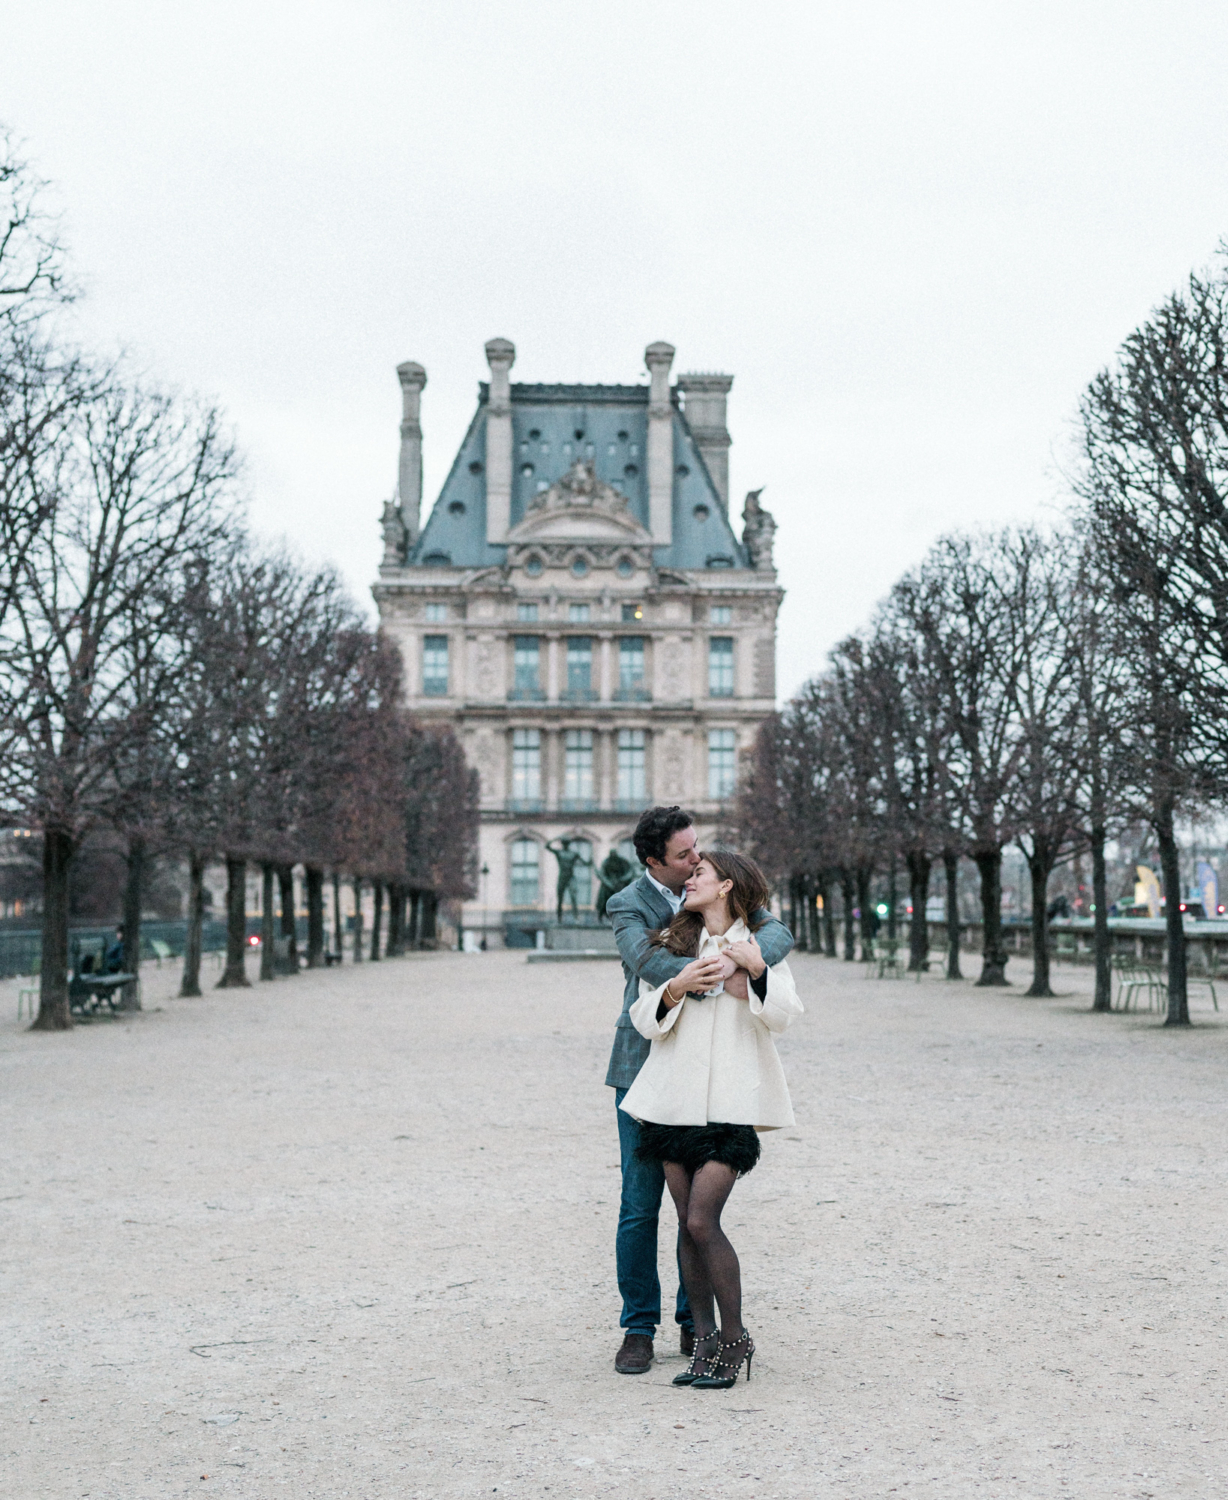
{"x": 665, "y": 846}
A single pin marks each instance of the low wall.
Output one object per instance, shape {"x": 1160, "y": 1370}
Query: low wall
{"x": 1070, "y": 939}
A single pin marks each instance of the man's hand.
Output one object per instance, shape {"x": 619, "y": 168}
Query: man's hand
{"x": 738, "y": 984}
{"x": 747, "y": 956}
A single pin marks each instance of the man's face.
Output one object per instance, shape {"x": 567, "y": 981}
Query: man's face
{"x": 681, "y": 857}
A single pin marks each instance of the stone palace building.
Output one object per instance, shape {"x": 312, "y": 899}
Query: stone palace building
{"x": 578, "y": 607}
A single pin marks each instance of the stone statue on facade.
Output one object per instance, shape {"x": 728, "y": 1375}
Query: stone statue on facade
{"x": 758, "y": 530}
{"x": 392, "y": 524}
{"x": 567, "y": 888}
{"x": 613, "y": 874}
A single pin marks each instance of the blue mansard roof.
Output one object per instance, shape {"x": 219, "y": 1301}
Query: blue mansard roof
{"x": 552, "y": 427}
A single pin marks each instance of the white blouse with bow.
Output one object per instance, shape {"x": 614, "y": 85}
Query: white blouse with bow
{"x": 714, "y": 1058}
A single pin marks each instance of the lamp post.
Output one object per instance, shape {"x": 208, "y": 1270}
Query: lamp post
{"x": 485, "y": 911}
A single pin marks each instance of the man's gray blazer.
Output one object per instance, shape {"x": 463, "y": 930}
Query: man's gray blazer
{"x": 635, "y": 912}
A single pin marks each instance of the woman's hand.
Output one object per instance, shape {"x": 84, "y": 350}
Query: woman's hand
{"x": 701, "y": 975}
{"x": 747, "y": 956}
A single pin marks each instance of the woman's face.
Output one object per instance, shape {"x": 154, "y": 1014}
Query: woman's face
{"x": 704, "y": 887}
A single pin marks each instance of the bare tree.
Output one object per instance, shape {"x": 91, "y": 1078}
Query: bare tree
{"x": 140, "y": 481}
{"x": 1154, "y": 480}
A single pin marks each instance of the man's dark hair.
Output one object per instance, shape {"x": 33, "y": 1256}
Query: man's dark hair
{"x": 655, "y": 829}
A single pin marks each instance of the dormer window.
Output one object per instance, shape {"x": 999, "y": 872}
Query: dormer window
{"x": 526, "y": 470}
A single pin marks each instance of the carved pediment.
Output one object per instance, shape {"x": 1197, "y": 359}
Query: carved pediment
{"x": 578, "y": 506}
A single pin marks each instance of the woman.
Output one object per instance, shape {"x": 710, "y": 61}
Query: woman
{"x": 711, "y": 1083}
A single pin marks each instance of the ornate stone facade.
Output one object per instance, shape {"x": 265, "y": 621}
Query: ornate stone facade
{"x": 579, "y": 608}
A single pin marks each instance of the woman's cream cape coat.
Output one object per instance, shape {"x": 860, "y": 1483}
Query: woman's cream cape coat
{"x": 715, "y": 1058}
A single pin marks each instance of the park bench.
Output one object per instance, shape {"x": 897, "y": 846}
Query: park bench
{"x": 88, "y": 993}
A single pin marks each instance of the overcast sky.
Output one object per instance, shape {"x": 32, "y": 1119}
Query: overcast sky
{"x": 911, "y": 231}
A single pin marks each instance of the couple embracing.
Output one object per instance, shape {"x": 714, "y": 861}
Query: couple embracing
{"x": 696, "y": 1079}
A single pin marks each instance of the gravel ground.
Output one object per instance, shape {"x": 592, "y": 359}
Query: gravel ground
{"x": 351, "y": 1234}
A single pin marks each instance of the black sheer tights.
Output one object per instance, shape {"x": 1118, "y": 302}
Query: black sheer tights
{"x": 710, "y": 1266}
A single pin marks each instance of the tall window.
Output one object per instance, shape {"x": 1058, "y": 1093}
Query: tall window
{"x": 578, "y": 613}
{"x": 526, "y": 612}
{"x": 436, "y": 614}
{"x": 579, "y": 666}
{"x": 631, "y": 766}
{"x": 525, "y": 888}
{"x": 526, "y": 656}
{"x": 721, "y": 614}
{"x": 435, "y": 666}
{"x": 720, "y": 666}
{"x": 578, "y": 767}
{"x": 526, "y": 765}
{"x": 631, "y": 664}
{"x": 722, "y": 771}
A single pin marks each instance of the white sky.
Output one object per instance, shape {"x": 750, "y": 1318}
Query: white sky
{"x": 911, "y": 231}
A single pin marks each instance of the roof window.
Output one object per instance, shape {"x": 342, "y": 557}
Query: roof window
{"x": 631, "y": 471}
{"x": 526, "y": 469}
{"x": 475, "y": 467}
{"x": 457, "y": 508}
{"x": 623, "y": 436}
{"x": 682, "y": 471}
{"x": 534, "y": 567}
{"x": 535, "y": 433}
{"x": 702, "y": 512}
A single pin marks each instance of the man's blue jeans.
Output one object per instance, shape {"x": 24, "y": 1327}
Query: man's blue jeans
{"x": 636, "y": 1244}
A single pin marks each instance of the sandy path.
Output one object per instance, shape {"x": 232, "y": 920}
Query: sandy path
{"x": 352, "y": 1235}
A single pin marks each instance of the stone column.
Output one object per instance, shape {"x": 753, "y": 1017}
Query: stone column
{"x": 409, "y": 487}
{"x": 659, "y": 357}
{"x": 552, "y": 769}
{"x": 500, "y": 355}
{"x": 605, "y": 675}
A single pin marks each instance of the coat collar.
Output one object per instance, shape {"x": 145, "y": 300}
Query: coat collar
{"x": 738, "y": 932}
{"x": 655, "y": 899}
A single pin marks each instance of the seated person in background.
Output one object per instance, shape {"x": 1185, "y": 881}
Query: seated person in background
{"x": 114, "y": 961}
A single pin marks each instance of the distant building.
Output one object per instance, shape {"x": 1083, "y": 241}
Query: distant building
{"x": 578, "y": 607}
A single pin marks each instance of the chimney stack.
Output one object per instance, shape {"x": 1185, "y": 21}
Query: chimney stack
{"x": 500, "y": 356}
{"x": 409, "y": 487}
{"x": 704, "y": 397}
{"x": 659, "y": 357}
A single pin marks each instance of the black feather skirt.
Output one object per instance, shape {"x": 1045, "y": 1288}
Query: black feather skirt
{"x": 737, "y": 1146}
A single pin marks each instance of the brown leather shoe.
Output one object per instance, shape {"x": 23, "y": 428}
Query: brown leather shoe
{"x": 635, "y": 1356}
{"x": 686, "y": 1340}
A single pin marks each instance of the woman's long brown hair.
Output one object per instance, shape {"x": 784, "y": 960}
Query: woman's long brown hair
{"x": 750, "y": 892}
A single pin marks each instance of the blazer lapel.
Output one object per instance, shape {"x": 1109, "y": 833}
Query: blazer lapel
{"x": 656, "y": 904}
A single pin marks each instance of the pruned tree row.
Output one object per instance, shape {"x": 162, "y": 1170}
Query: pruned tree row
{"x": 166, "y": 677}
{"x": 1041, "y": 688}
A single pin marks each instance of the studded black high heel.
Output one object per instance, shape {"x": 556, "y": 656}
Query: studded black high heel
{"x": 700, "y": 1362}
{"x": 725, "y": 1370}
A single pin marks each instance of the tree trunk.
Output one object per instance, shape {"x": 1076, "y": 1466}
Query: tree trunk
{"x": 396, "y": 921}
{"x": 314, "y": 878}
{"x": 234, "y": 975}
{"x": 950, "y": 862}
{"x": 357, "y": 919}
{"x": 1178, "y": 998}
{"x": 430, "y": 913}
{"x": 1040, "y": 865}
{"x": 338, "y": 925}
{"x": 133, "y": 887}
{"x": 993, "y": 959}
{"x": 189, "y": 987}
{"x": 829, "y": 917}
{"x": 53, "y": 1012}
{"x": 919, "y": 894}
{"x": 865, "y": 906}
{"x": 892, "y": 897}
{"x": 377, "y": 917}
{"x": 289, "y": 918}
{"x": 1100, "y": 917}
{"x": 267, "y": 929}
{"x": 846, "y": 902}
{"x": 415, "y": 918}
